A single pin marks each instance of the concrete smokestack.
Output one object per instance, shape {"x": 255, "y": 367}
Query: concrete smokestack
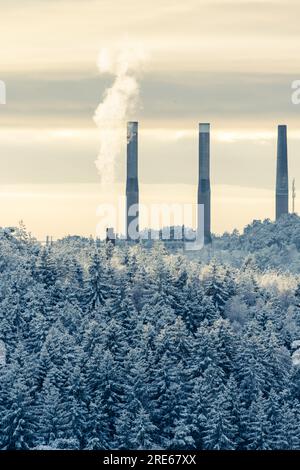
{"x": 282, "y": 182}
{"x": 204, "y": 179}
{"x": 132, "y": 185}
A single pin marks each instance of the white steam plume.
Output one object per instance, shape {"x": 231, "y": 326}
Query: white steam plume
{"x": 119, "y": 103}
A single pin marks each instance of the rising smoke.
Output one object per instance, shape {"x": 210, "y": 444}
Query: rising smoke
{"x": 118, "y": 105}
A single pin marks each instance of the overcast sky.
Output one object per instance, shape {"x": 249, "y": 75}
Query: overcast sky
{"x": 230, "y": 63}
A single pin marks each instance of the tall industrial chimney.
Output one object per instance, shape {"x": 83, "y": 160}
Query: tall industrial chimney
{"x": 132, "y": 185}
{"x": 282, "y": 182}
{"x": 204, "y": 179}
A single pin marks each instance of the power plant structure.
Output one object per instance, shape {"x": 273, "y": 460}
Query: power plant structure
{"x": 132, "y": 184}
{"x": 282, "y": 181}
{"x": 204, "y": 181}
{"x": 204, "y": 193}
{"x": 110, "y": 235}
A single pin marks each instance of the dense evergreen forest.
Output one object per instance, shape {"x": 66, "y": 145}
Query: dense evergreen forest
{"x": 138, "y": 347}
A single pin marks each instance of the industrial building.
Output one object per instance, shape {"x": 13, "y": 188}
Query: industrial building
{"x": 204, "y": 192}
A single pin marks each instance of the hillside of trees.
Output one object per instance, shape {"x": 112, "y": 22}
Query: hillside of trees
{"x": 149, "y": 348}
{"x": 268, "y": 244}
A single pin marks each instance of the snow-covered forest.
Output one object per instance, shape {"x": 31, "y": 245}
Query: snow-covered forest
{"x": 138, "y": 347}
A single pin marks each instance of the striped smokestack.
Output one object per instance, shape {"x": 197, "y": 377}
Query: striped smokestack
{"x": 204, "y": 179}
{"x": 132, "y": 185}
{"x": 282, "y": 183}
